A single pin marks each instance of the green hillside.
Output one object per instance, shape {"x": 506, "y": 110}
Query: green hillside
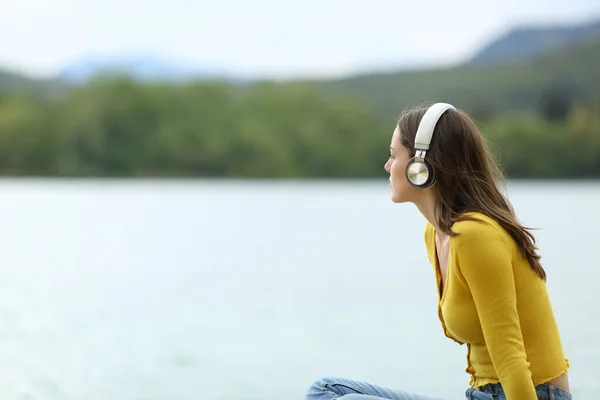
{"x": 483, "y": 90}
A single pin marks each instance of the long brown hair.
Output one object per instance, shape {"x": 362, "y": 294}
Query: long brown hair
{"x": 467, "y": 175}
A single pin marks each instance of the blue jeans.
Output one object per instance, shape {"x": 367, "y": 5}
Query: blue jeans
{"x": 494, "y": 391}
{"x": 346, "y": 389}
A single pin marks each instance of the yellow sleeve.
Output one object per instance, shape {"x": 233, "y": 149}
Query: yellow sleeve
{"x": 483, "y": 256}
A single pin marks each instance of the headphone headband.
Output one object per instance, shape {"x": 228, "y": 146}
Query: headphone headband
{"x": 428, "y": 123}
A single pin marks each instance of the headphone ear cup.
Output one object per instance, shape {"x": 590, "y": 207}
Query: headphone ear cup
{"x": 419, "y": 173}
{"x": 432, "y": 176}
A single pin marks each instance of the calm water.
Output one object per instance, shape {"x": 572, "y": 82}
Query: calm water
{"x": 229, "y": 290}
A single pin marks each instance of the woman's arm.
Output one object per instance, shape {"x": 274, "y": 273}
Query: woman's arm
{"x": 483, "y": 255}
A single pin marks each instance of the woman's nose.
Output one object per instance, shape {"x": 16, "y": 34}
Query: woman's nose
{"x": 386, "y": 166}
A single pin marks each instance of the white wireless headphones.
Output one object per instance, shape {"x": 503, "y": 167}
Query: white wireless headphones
{"x": 419, "y": 171}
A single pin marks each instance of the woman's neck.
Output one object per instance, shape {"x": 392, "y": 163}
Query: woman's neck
{"x": 426, "y": 206}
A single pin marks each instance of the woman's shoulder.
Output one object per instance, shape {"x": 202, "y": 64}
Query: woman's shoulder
{"x": 470, "y": 225}
{"x": 469, "y": 222}
{"x": 476, "y": 225}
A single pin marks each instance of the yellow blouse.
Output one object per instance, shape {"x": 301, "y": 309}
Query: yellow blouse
{"x": 494, "y": 302}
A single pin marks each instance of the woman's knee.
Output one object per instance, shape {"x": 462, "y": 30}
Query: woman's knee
{"x": 321, "y": 387}
{"x": 322, "y": 383}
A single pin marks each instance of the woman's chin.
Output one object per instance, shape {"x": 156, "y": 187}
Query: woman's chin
{"x": 397, "y": 197}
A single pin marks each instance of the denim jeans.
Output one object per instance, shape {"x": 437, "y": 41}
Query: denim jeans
{"x": 346, "y": 389}
{"x": 495, "y": 392}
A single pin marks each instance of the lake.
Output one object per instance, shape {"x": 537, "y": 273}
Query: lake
{"x": 242, "y": 290}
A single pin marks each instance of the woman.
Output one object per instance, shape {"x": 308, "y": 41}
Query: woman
{"x": 491, "y": 287}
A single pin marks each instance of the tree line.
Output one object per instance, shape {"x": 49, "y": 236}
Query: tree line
{"x": 120, "y": 127}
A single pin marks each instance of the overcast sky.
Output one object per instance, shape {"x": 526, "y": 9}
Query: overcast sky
{"x": 267, "y": 37}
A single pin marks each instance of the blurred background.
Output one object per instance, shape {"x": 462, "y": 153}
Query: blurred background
{"x": 195, "y": 206}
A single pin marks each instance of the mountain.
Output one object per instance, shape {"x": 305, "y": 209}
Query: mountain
{"x": 525, "y": 42}
{"x": 564, "y": 66}
{"x": 140, "y": 66}
{"x": 571, "y": 72}
{"x": 14, "y": 81}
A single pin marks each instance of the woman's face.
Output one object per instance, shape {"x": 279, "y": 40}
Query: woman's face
{"x": 402, "y": 190}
